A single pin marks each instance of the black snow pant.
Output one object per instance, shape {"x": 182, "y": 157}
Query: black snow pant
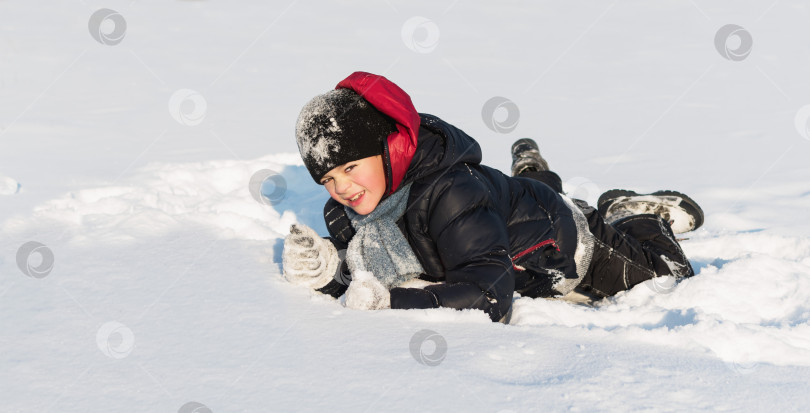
{"x": 627, "y": 252}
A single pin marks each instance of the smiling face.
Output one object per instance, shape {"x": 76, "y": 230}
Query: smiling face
{"x": 358, "y": 184}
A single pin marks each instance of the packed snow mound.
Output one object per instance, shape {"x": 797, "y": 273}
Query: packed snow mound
{"x": 163, "y": 197}
{"x": 749, "y": 302}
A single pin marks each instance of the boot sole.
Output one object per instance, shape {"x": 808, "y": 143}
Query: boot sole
{"x": 521, "y": 163}
{"x": 668, "y": 204}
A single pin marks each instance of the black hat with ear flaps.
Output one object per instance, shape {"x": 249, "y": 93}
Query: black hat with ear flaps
{"x": 338, "y": 127}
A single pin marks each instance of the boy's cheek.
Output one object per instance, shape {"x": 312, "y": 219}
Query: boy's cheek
{"x": 336, "y": 197}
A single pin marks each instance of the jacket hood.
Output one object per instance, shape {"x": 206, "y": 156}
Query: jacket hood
{"x": 441, "y": 145}
{"x": 391, "y": 100}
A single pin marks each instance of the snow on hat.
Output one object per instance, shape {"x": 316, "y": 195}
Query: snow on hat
{"x": 339, "y": 127}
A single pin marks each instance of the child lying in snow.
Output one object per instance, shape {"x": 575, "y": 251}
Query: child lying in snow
{"x": 410, "y": 200}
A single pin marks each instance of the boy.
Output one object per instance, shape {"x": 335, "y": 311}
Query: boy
{"x": 411, "y": 202}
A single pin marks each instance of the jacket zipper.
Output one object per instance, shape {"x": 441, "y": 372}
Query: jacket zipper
{"x": 531, "y": 249}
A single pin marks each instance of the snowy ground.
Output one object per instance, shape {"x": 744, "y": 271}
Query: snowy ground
{"x": 165, "y": 287}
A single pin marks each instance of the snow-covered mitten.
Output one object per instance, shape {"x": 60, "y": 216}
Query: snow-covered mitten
{"x": 367, "y": 293}
{"x": 309, "y": 259}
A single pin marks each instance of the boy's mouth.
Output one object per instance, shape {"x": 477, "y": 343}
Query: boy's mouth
{"x": 353, "y": 201}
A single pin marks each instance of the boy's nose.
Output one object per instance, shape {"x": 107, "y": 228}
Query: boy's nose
{"x": 342, "y": 185}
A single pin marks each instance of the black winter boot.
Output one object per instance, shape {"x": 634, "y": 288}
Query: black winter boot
{"x": 526, "y": 157}
{"x": 680, "y": 211}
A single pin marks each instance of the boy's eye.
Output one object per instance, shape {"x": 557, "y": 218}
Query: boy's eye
{"x": 325, "y": 181}
{"x": 349, "y": 168}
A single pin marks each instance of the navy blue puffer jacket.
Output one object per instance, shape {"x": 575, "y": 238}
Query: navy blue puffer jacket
{"x": 479, "y": 233}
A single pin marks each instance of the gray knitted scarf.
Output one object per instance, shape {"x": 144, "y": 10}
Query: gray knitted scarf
{"x": 378, "y": 245}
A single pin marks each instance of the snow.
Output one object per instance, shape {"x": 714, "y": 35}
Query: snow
{"x": 366, "y": 292}
{"x": 165, "y": 291}
{"x": 315, "y": 141}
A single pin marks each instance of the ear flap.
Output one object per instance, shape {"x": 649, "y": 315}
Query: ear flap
{"x": 392, "y": 101}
